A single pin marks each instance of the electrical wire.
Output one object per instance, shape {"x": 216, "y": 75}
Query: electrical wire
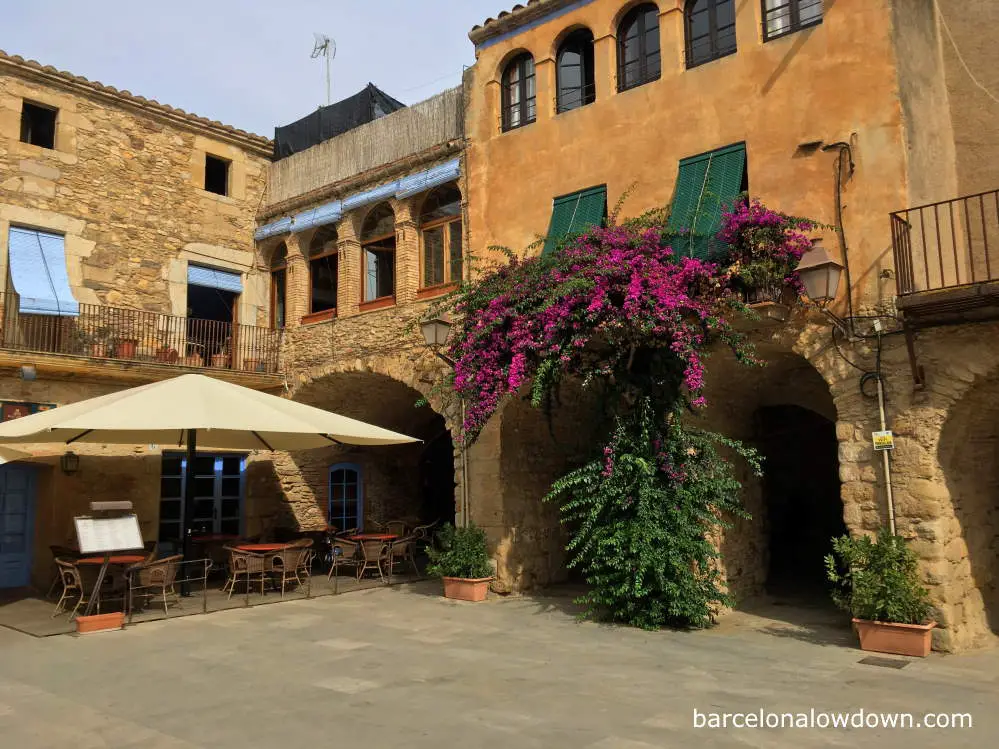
{"x": 960, "y": 57}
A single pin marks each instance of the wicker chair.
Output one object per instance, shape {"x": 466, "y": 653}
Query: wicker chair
{"x": 347, "y": 533}
{"x": 373, "y": 555}
{"x": 305, "y": 561}
{"x": 158, "y": 576}
{"x": 403, "y": 550}
{"x": 423, "y": 532}
{"x": 396, "y": 527}
{"x": 59, "y": 552}
{"x": 246, "y": 564}
{"x": 343, "y": 554}
{"x": 72, "y": 587}
{"x": 287, "y": 563}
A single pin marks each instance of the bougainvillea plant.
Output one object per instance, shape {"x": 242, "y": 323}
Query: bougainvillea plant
{"x": 616, "y": 306}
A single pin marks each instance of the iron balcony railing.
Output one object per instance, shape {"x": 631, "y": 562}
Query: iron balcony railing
{"x": 100, "y": 332}
{"x": 948, "y": 244}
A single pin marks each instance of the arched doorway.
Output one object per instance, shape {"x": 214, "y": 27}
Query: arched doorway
{"x": 969, "y": 457}
{"x": 414, "y": 482}
{"x": 801, "y": 501}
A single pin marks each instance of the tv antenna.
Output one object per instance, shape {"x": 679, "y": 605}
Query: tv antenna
{"x": 324, "y": 47}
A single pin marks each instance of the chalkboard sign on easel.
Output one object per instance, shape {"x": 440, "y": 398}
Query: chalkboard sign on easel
{"x": 111, "y": 527}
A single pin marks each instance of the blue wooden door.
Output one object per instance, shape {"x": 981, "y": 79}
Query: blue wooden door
{"x": 17, "y": 522}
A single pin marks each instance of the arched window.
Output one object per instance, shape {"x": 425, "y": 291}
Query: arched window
{"x": 279, "y": 286}
{"x": 782, "y": 17}
{"x": 638, "y": 59}
{"x": 576, "y": 87}
{"x": 346, "y": 505}
{"x": 440, "y": 226}
{"x": 378, "y": 253}
{"x": 323, "y": 271}
{"x": 519, "y": 93}
{"x": 710, "y": 30}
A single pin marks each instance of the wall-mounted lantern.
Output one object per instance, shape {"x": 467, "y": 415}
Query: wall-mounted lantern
{"x": 69, "y": 463}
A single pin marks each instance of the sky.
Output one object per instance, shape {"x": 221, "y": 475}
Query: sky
{"x": 246, "y": 62}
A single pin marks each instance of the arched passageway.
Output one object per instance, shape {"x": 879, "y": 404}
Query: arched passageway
{"x": 969, "y": 457}
{"x": 414, "y": 482}
{"x": 800, "y": 493}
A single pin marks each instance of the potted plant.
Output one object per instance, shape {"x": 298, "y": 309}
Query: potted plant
{"x": 877, "y": 581}
{"x": 461, "y": 558}
{"x": 125, "y": 348}
{"x": 93, "y": 342}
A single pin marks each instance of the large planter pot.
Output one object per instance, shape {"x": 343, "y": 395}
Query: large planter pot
{"x": 900, "y": 639}
{"x": 100, "y": 622}
{"x": 466, "y": 589}
{"x": 126, "y": 348}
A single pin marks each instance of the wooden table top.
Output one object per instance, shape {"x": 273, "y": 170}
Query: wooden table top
{"x": 374, "y": 537}
{"x": 116, "y": 559}
{"x": 261, "y": 547}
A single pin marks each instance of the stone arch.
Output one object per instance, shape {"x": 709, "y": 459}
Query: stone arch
{"x": 416, "y": 481}
{"x": 968, "y": 543}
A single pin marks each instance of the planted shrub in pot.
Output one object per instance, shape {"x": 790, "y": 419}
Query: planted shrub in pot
{"x": 460, "y": 558}
{"x": 877, "y": 581}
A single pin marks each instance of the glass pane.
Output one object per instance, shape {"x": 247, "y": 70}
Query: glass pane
{"x": 337, "y": 492}
{"x": 12, "y": 544}
{"x": 809, "y": 11}
{"x": 230, "y": 508}
{"x": 456, "y": 253}
{"x": 169, "y": 532}
{"x": 204, "y": 487}
{"x": 324, "y": 283}
{"x": 338, "y": 476}
{"x": 204, "y": 465}
{"x": 232, "y": 466}
{"x": 379, "y": 223}
{"x": 441, "y": 203}
{"x": 229, "y": 527}
{"x": 204, "y": 509}
{"x": 230, "y": 487}
{"x": 14, "y": 524}
{"x": 170, "y": 487}
{"x": 350, "y": 493}
{"x": 171, "y": 466}
{"x": 433, "y": 256}
{"x": 278, "y": 285}
{"x": 170, "y": 510}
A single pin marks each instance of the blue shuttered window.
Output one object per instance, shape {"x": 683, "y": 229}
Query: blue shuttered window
{"x": 213, "y": 278}
{"x": 37, "y": 261}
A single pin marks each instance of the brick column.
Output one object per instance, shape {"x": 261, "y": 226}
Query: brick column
{"x": 297, "y": 289}
{"x": 407, "y": 250}
{"x": 348, "y": 268}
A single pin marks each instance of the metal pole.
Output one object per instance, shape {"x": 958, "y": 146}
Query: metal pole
{"x": 464, "y": 471}
{"x": 95, "y": 596}
{"x": 188, "y": 541}
{"x": 885, "y": 459}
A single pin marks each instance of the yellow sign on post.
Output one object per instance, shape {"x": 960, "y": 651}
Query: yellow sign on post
{"x": 883, "y": 440}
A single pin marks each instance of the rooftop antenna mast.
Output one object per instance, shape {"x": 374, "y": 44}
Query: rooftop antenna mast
{"x": 326, "y": 48}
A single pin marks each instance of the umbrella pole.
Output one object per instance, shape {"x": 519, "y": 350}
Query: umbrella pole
{"x": 192, "y": 452}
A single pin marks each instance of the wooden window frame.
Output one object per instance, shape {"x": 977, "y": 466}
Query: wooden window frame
{"x": 522, "y": 85}
{"x": 795, "y": 24}
{"x": 281, "y": 267}
{"x": 637, "y": 15}
{"x": 449, "y": 282}
{"x": 717, "y": 53}
{"x": 382, "y": 301}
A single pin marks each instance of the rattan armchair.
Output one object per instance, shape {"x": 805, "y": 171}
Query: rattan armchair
{"x": 373, "y": 555}
{"x": 403, "y": 550}
{"x": 72, "y": 587}
{"x": 59, "y": 552}
{"x": 396, "y": 527}
{"x": 155, "y": 579}
{"x": 343, "y": 553}
{"x": 248, "y": 565}
{"x": 287, "y": 564}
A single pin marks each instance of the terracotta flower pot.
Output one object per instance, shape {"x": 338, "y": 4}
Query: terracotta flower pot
{"x": 900, "y": 639}
{"x": 100, "y": 622}
{"x": 466, "y": 589}
{"x": 99, "y": 350}
{"x": 167, "y": 355}
{"x": 126, "y": 348}
{"x": 221, "y": 361}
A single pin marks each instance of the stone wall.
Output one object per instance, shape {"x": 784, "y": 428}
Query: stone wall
{"x": 125, "y": 185}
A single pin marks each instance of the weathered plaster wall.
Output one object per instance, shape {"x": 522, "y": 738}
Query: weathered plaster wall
{"x": 834, "y": 82}
{"x": 126, "y": 188}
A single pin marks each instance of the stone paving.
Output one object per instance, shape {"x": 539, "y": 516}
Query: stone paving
{"x": 402, "y": 667}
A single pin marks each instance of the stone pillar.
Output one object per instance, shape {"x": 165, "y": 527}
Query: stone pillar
{"x": 297, "y": 282}
{"x": 545, "y": 88}
{"x": 407, "y": 250}
{"x": 605, "y": 66}
{"x": 349, "y": 268}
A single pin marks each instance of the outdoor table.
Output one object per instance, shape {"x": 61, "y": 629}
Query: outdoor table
{"x": 374, "y": 537}
{"x": 261, "y": 547}
{"x": 119, "y": 559}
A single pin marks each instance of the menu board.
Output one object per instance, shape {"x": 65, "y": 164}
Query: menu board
{"x": 98, "y": 535}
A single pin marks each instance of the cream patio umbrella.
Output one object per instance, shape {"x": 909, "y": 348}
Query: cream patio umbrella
{"x": 9, "y": 455}
{"x": 193, "y": 410}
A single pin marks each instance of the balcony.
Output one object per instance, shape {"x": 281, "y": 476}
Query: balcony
{"x": 947, "y": 259}
{"x": 114, "y": 335}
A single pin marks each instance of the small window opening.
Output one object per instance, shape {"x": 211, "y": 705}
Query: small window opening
{"x": 38, "y": 125}
{"x": 216, "y": 175}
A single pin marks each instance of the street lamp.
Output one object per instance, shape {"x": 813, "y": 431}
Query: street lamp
{"x": 436, "y": 331}
{"x": 819, "y": 274}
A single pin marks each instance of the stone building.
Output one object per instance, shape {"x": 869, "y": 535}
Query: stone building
{"x": 126, "y": 229}
{"x": 848, "y": 113}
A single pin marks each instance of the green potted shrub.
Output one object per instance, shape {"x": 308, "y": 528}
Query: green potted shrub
{"x": 461, "y": 559}
{"x": 877, "y": 581}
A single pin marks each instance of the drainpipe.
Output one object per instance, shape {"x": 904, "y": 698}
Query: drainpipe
{"x": 886, "y": 461}
{"x": 465, "y": 520}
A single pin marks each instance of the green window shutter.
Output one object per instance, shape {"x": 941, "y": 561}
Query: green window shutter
{"x": 575, "y": 213}
{"x": 704, "y": 185}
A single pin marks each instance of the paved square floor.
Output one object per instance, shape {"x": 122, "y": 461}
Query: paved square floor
{"x": 402, "y": 667}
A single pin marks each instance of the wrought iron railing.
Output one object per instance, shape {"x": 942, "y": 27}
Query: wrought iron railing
{"x": 948, "y": 244}
{"x": 100, "y": 332}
